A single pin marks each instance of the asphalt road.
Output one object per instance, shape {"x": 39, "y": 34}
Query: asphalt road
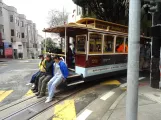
{"x": 14, "y": 75}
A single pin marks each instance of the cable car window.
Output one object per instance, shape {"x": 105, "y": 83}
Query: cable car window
{"x": 80, "y": 44}
{"x": 120, "y": 45}
{"x": 95, "y": 43}
{"x": 126, "y": 45}
{"x": 108, "y": 44}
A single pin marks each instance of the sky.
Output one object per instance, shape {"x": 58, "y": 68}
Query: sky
{"x": 37, "y": 10}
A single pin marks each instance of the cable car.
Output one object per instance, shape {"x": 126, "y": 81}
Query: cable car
{"x": 100, "y": 48}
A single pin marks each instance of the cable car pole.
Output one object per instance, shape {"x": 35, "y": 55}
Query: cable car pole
{"x": 133, "y": 59}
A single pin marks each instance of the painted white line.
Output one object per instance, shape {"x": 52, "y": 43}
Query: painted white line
{"x": 84, "y": 115}
{"x": 113, "y": 106}
{"x": 125, "y": 84}
{"x": 141, "y": 78}
{"x": 107, "y": 95}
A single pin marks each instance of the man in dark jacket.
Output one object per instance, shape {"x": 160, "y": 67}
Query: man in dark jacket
{"x": 46, "y": 77}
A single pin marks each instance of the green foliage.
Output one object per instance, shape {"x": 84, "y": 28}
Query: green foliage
{"x": 108, "y": 10}
{"x": 50, "y": 45}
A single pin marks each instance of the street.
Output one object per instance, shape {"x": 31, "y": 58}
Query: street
{"x": 14, "y": 74}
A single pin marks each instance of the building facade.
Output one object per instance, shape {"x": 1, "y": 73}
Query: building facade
{"x": 40, "y": 45}
{"x": 18, "y": 36}
{"x": 76, "y": 14}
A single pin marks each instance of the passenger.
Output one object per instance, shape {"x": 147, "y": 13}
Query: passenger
{"x": 60, "y": 71}
{"x": 42, "y": 72}
{"x": 32, "y": 81}
{"x": 46, "y": 77}
{"x": 121, "y": 48}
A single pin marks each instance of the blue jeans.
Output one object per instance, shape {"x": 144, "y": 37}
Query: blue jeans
{"x": 34, "y": 77}
{"x": 52, "y": 84}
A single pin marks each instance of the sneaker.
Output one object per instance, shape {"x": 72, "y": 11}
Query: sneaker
{"x": 33, "y": 86}
{"x": 40, "y": 96}
{"x": 37, "y": 94}
{"x": 48, "y": 100}
{"x": 28, "y": 84}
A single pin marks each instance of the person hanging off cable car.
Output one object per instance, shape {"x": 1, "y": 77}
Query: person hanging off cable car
{"x": 121, "y": 47}
{"x": 60, "y": 72}
{"x": 44, "y": 79}
{"x": 41, "y": 69}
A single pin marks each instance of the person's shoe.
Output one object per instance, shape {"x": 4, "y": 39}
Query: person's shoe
{"x": 29, "y": 84}
{"x": 35, "y": 91}
{"x": 48, "y": 100}
{"x": 40, "y": 96}
{"x": 33, "y": 86}
{"x": 37, "y": 94}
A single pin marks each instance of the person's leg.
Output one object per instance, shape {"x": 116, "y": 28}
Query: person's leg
{"x": 40, "y": 84}
{"x": 36, "y": 82}
{"x": 58, "y": 80}
{"x": 43, "y": 85}
{"x": 34, "y": 77}
{"x": 50, "y": 83}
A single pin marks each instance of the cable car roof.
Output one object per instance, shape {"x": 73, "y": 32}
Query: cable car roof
{"x": 92, "y": 24}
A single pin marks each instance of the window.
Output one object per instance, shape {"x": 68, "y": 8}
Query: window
{"x": 80, "y": 44}
{"x": 126, "y": 45}
{"x": 120, "y": 48}
{"x": 95, "y": 43}
{"x": 11, "y": 39}
{"x": 12, "y": 32}
{"x": 108, "y": 44}
{"x": 1, "y": 13}
{"x": 22, "y": 24}
{"x": 11, "y": 18}
{"x": 18, "y": 22}
{"x": 22, "y": 35}
{"x": 17, "y": 34}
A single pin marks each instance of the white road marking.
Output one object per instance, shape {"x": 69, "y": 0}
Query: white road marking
{"x": 107, "y": 95}
{"x": 21, "y": 70}
{"x": 113, "y": 106}
{"x": 125, "y": 84}
{"x": 84, "y": 115}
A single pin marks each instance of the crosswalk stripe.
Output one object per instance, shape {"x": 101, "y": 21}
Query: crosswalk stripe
{"x": 5, "y": 94}
{"x": 29, "y": 93}
{"x": 65, "y": 111}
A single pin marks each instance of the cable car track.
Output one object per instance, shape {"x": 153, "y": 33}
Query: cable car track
{"x": 26, "y": 111}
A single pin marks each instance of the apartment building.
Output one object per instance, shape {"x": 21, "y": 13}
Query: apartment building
{"x": 75, "y": 15}
{"x": 40, "y": 45}
{"x": 18, "y": 36}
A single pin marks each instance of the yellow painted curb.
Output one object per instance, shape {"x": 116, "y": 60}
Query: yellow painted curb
{"x": 65, "y": 111}
{"x": 4, "y": 94}
{"x": 29, "y": 93}
{"x": 111, "y": 82}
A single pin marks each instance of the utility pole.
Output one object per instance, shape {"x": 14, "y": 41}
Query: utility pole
{"x": 133, "y": 59}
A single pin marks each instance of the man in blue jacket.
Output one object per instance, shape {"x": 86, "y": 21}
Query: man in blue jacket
{"x": 60, "y": 72}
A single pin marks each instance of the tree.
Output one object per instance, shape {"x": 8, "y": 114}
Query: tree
{"x": 50, "y": 45}
{"x": 108, "y": 10}
{"x": 116, "y": 11}
{"x": 57, "y": 18}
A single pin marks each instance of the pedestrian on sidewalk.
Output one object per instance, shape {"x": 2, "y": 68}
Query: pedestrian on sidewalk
{"x": 46, "y": 77}
{"x": 60, "y": 72}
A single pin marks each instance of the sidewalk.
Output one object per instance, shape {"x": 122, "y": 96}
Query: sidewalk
{"x": 149, "y": 107}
